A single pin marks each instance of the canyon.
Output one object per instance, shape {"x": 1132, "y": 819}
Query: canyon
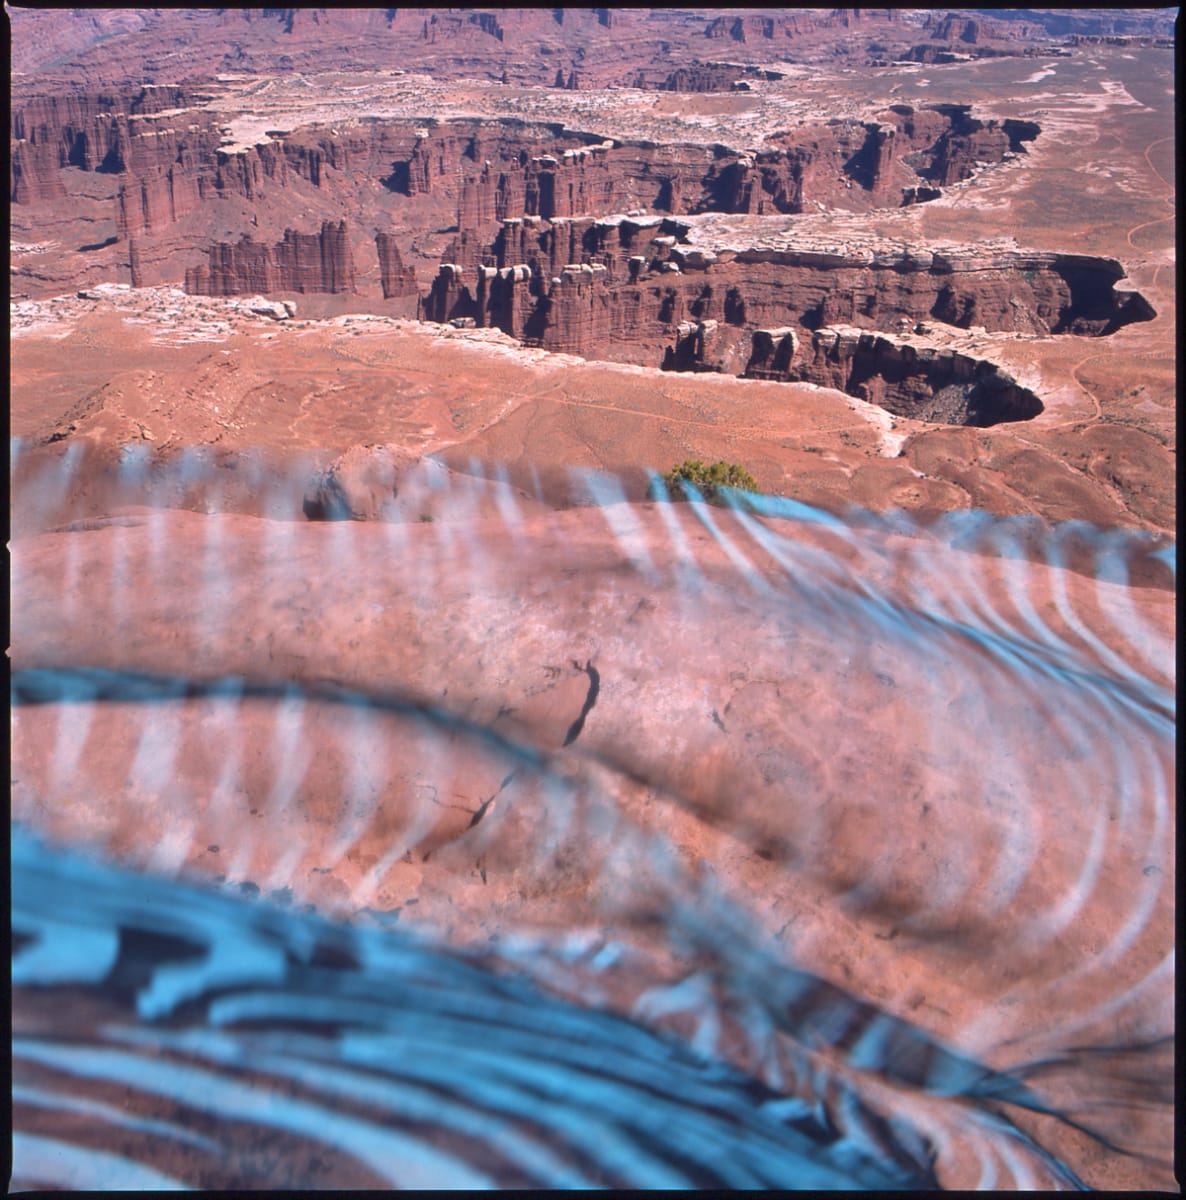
{"x": 481, "y": 171}
{"x": 541, "y": 227}
{"x": 709, "y": 213}
{"x": 808, "y": 244}
{"x": 348, "y": 349}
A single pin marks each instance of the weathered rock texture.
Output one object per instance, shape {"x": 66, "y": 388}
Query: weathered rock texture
{"x": 519, "y": 46}
{"x": 90, "y": 131}
{"x": 302, "y": 262}
{"x": 177, "y": 178}
{"x": 621, "y": 288}
{"x": 921, "y": 382}
{"x": 395, "y": 278}
{"x": 703, "y": 77}
{"x": 845, "y": 163}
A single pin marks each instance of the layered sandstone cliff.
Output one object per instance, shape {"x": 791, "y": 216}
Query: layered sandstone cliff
{"x": 198, "y": 168}
{"x": 395, "y": 278}
{"x": 301, "y": 262}
{"x": 568, "y": 240}
{"x": 90, "y": 131}
{"x": 526, "y": 46}
{"x": 181, "y": 183}
{"x": 621, "y": 287}
{"x": 926, "y": 383}
{"x": 849, "y": 164}
{"x": 703, "y": 77}
{"x": 775, "y": 26}
{"x": 171, "y": 156}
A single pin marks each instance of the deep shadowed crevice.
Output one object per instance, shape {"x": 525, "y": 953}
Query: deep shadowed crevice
{"x": 906, "y": 379}
{"x": 575, "y": 728}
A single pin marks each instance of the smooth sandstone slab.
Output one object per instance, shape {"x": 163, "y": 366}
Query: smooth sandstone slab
{"x": 938, "y": 778}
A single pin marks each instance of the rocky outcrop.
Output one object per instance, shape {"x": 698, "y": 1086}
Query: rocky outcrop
{"x": 275, "y": 310}
{"x": 359, "y": 485}
{"x": 744, "y": 28}
{"x": 158, "y": 200}
{"x": 519, "y": 46}
{"x": 448, "y": 299}
{"x": 395, "y": 278}
{"x": 920, "y": 195}
{"x": 489, "y": 172}
{"x": 924, "y": 383}
{"x": 90, "y": 131}
{"x": 620, "y": 287}
{"x": 954, "y": 28}
{"x": 302, "y": 262}
{"x": 504, "y": 299}
{"x": 773, "y": 351}
{"x": 547, "y": 247}
{"x": 449, "y": 25}
{"x": 954, "y": 143}
{"x": 698, "y": 346}
{"x": 578, "y": 312}
{"x": 176, "y": 167}
{"x": 849, "y": 164}
{"x": 171, "y": 175}
{"x": 701, "y": 77}
{"x": 33, "y": 176}
{"x": 164, "y": 165}
{"x": 526, "y": 45}
{"x": 1097, "y": 22}
{"x": 501, "y": 299}
{"x": 781, "y": 25}
{"x": 562, "y": 182}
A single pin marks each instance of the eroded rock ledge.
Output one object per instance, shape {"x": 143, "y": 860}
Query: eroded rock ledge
{"x": 633, "y": 289}
{"x": 535, "y": 255}
{"x": 174, "y": 153}
{"x": 180, "y": 171}
{"x": 320, "y": 262}
{"x": 923, "y": 382}
{"x": 623, "y": 284}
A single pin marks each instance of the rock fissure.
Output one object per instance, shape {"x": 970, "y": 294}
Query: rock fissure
{"x": 578, "y": 725}
{"x": 486, "y": 805}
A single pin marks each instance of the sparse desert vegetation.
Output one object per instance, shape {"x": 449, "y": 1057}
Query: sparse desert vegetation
{"x": 709, "y": 480}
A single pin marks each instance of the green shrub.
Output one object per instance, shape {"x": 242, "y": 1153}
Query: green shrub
{"x": 709, "y": 479}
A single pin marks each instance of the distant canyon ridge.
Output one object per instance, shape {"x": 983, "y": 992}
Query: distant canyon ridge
{"x": 567, "y": 241}
{"x": 910, "y": 207}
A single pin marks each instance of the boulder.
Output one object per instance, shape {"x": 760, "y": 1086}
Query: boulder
{"x": 268, "y": 308}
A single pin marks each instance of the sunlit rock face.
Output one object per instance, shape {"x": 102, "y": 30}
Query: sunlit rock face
{"x": 622, "y": 287}
{"x": 319, "y": 262}
{"x": 870, "y": 814}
